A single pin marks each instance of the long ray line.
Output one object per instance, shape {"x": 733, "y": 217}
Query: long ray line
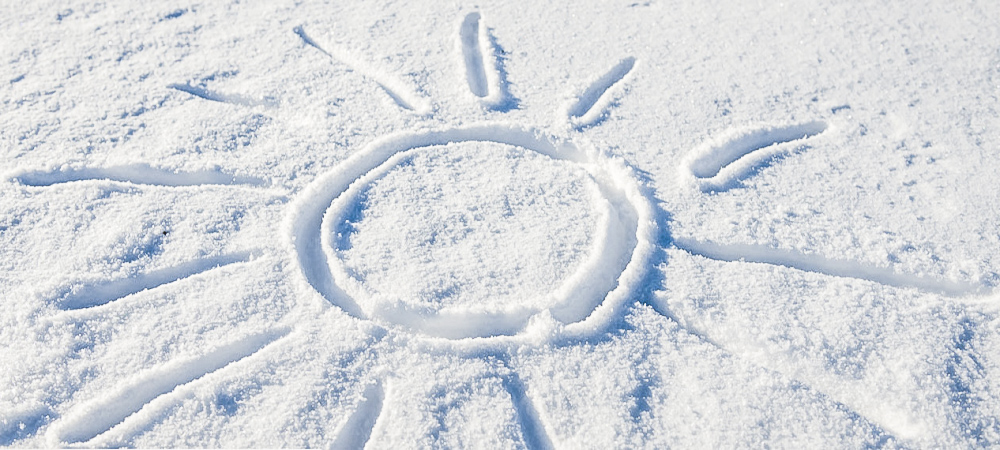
{"x": 589, "y": 106}
{"x": 111, "y": 419}
{"x": 532, "y": 428}
{"x": 141, "y": 174}
{"x": 822, "y": 265}
{"x": 95, "y": 295}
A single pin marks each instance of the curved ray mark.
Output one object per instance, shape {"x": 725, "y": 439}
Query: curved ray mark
{"x": 394, "y": 88}
{"x": 136, "y": 174}
{"x": 719, "y": 164}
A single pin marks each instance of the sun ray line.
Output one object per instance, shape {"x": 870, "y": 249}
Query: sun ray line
{"x": 110, "y": 420}
{"x": 87, "y": 298}
{"x": 822, "y": 265}
{"x": 483, "y": 64}
{"x": 138, "y": 174}
{"x": 536, "y": 437}
{"x": 232, "y": 99}
{"x": 717, "y": 165}
{"x": 848, "y": 405}
{"x": 473, "y": 55}
{"x": 589, "y": 106}
{"x": 357, "y": 429}
{"x": 401, "y": 95}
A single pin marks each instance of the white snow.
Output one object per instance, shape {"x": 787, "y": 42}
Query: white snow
{"x": 552, "y": 224}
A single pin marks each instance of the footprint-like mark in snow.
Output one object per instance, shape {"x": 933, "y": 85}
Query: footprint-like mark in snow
{"x": 719, "y": 164}
{"x": 141, "y": 174}
{"x": 115, "y": 416}
{"x": 591, "y": 105}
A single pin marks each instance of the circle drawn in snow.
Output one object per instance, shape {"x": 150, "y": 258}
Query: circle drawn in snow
{"x": 579, "y": 305}
{"x": 471, "y": 227}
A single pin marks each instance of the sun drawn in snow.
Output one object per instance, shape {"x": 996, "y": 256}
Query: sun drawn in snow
{"x": 601, "y": 282}
{"x": 618, "y": 235}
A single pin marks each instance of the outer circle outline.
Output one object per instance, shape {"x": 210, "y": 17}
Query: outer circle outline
{"x": 305, "y": 223}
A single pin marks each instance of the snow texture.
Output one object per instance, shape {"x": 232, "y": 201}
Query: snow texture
{"x": 544, "y": 225}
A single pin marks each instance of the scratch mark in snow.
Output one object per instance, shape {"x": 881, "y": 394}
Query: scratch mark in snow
{"x": 403, "y": 97}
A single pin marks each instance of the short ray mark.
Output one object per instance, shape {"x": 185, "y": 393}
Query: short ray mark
{"x": 395, "y": 89}
{"x": 483, "y": 64}
{"x": 114, "y": 417}
{"x": 141, "y": 174}
{"x": 532, "y": 428}
{"x": 472, "y": 54}
{"x": 591, "y": 105}
{"x": 357, "y": 429}
{"x": 221, "y": 98}
{"x": 719, "y": 164}
{"x": 822, "y": 265}
{"x": 93, "y": 295}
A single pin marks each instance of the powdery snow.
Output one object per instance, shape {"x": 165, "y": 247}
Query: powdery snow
{"x": 596, "y": 224}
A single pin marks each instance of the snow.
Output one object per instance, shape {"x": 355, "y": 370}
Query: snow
{"x": 592, "y": 224}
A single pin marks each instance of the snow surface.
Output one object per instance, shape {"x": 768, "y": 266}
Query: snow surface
{"x": 588, "y": 224}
